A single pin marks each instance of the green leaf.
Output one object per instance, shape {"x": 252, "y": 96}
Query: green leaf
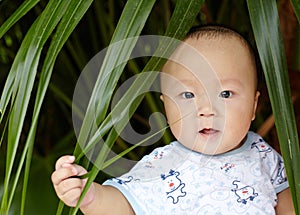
{"x": 265, "y": 23}
{"x": 19, "y": 86}
{"x": 296, "y": 6}
{"x": 130, "y": 24}
{"x": 18, "y": 14}
{"x": 76, "y": 9}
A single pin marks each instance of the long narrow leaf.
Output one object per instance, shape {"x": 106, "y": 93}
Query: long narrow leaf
{"x": 18, "y": 14}
{"x": 25, "y": 68}
{"x": 131, "y": 22}
{"x": 73, "y": 15}
{"x": 296, "y": 6}
{"x": 265, "y": 23}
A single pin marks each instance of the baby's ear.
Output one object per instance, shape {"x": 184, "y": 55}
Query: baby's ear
{"x": 161, "y": 98}
{"x": 257, "y": 94}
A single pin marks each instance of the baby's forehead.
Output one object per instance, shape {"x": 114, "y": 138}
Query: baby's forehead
{"x": 197, "y": 54}
{"x": 211, "y": 59}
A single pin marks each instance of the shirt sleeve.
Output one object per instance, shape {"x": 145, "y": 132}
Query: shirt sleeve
{"x": 135, "y": 184}
{"x": 276, "y": 167}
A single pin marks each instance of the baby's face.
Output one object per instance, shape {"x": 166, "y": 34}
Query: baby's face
{"x": 211, "y": 100}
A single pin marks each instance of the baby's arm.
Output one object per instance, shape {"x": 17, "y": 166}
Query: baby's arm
{"x": 98, "y": 200}
{"x": 285, "y": 204}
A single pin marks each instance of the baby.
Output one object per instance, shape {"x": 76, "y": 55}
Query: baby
{"x": 216, "y": 166}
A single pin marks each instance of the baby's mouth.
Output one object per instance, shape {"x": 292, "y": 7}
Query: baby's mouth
{"x": 208, "y": 131}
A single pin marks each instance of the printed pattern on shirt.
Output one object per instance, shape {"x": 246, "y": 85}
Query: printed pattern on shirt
{"x": 173, "y": 186}
{"x": 244, "y": 193}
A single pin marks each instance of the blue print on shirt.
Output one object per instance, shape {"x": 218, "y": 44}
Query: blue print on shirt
{"x": 123, "y": 181}
{"x": 280, "y": 177}
{"x": 173, "y": 186}
{"x": 261, "y": 147}
{"x": 244, "y": 193}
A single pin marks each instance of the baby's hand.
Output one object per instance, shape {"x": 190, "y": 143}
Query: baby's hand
{"x": 67, "y": 186}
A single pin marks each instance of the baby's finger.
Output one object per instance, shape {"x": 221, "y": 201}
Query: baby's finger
{"x": 70, "y": 198}
{"x": 67, "y": 159}
{"x": 68, "y": 185}
{"x": 63, "y": 173}
{"x": 80, "y": 170}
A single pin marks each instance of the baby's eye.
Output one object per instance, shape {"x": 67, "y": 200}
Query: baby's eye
{"x": 225, "y": 94}
{"x": 187, "y": 95}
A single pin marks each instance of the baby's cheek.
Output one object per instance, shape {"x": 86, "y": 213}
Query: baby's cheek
{"x": 176, "y": 128}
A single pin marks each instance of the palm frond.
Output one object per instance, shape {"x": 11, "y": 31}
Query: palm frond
{"x": 265, "y": 24}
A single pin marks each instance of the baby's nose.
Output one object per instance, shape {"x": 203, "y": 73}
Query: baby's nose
{"x": 205, "y": 108}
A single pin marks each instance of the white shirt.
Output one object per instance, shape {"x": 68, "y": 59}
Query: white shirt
{"x": 175, "y": 180}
